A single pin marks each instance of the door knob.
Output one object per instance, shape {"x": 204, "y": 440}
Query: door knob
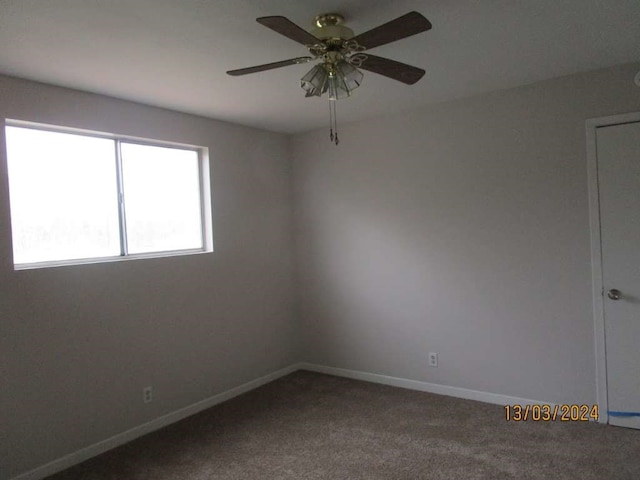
{"x": 614, "y": 294}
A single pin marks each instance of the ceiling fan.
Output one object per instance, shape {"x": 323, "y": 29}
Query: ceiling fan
{"x": 341, "y": 54}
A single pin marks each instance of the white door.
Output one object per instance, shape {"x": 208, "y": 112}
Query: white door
{"x": 618, "y": 157}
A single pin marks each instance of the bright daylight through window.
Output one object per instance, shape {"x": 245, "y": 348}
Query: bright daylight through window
{"x": 79, "y": 198}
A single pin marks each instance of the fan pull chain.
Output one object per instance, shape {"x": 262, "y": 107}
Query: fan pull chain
{"x": 333, "y": 123}
{"x": 330, "y": 122}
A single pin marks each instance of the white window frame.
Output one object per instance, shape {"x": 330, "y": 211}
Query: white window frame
{"x": 204, "y": 184}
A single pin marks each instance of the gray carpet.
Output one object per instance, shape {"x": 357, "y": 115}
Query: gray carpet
{"x": 312, "y": 426}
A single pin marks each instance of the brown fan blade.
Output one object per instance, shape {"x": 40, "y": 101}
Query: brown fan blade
{"x": 402, "y": 27}
{"x": 269, "y": 66}
{"x": 286, "y": 27}
{"x": 390, "y": 68}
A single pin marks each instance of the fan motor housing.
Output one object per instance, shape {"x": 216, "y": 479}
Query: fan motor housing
{"x": 330, "y": 26}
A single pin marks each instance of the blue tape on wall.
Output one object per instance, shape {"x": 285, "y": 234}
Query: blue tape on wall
{"x": 624, "y": 414}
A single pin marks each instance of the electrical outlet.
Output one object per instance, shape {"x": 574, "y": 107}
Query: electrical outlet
{"x": 433, "y": 359}
{"x": 147, "y": 394}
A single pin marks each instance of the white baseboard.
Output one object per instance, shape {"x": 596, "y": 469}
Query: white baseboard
{"x": 422, "y": 386}
{"x": 129, "y": 435}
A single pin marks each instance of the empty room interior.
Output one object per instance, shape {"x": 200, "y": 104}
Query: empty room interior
{"x": 321, "y": 239}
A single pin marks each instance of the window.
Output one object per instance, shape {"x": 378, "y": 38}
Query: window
{"x": 83, "y": 197}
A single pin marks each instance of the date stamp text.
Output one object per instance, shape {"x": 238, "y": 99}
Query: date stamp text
{"x": 550, "y": 413}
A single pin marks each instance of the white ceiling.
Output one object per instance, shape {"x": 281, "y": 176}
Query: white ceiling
{"x": 174, "y": 53}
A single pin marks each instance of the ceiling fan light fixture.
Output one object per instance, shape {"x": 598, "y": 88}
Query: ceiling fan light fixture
{"x": 338, "y": 79}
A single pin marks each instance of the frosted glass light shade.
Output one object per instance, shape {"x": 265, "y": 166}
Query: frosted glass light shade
{"x": 337, "y": 87}
{"x": 315, "y": 81}
{"x": 352, "y": 76}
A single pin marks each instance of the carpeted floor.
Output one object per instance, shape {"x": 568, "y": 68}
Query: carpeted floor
{"x": 312, "y": 426}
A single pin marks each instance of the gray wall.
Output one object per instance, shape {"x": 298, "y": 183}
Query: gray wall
{"x": 461, "y": 229}
{"x": 77, "y": 344}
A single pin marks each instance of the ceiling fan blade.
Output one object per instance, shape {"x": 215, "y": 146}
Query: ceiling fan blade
{"x": 390, "y": 68}
{"x": 269, "y": 66}
{"x": 286, "y": 27}
{"x": 402, "y": 27}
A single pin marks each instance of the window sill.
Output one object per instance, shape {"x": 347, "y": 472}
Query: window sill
{"x": 89, "y": 261}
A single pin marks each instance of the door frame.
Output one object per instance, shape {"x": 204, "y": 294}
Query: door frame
{"x": 592, "y": 125}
